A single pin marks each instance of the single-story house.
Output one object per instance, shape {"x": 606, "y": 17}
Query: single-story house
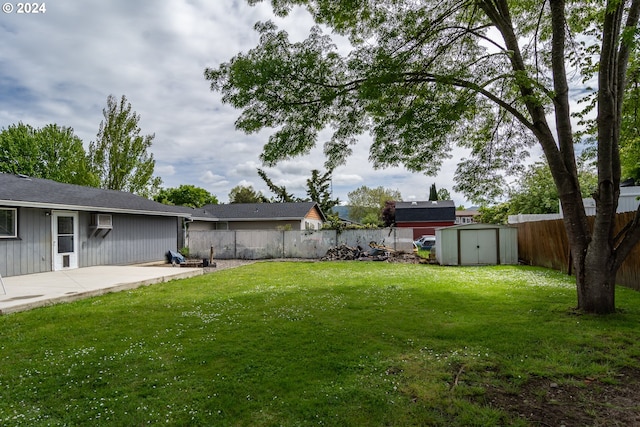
{"x": 259, "y": 216}
{"x": 48, "y": 226}
{"x": 425, "y": 217}
{"x": 466, "y": 216}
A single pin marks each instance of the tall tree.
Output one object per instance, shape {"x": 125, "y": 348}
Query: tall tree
{"x": 246, "y": 194}
{"x": 443, "y": 194}
{"x": 52, "y": 152}
{"x": 630, "y": 126}
{"x": 186, "y": 195}
{"x": 536, "y": 193}
{"x": 281, "y": 193}
{"x": 389, "y": 213}
{"x": 319, "y": 190}
{"x": 433, "y": 192}
{"x": 365, "y": 202}
{"x": 120, "y": 156}
{"x": 496, "y": 214}
{"x": 485, "y": 74}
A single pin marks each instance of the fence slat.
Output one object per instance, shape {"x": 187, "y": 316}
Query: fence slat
{"x": 545, "y": 244}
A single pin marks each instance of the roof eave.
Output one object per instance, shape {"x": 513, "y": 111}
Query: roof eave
{"x": 234, "y": 219}
{"x": 56, "y": 206}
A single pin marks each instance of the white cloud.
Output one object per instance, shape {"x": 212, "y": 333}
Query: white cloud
{"x": 348, "y": 179}
{"x": 61, "y": 66}
{"x": 167, "y": 170}
{"x": 210, "y": 178}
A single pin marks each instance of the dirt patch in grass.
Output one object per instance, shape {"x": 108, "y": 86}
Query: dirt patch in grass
{"x": 589, "y": 403}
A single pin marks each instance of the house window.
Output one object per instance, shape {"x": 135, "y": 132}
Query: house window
{"x": 8, "y": 223}
{"x": 464, "y": 220}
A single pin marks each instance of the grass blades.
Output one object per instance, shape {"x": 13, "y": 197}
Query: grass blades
{"x": 297, "y": 343}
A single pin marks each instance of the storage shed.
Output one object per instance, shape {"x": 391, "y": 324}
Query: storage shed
{"x": 477, "y": 244}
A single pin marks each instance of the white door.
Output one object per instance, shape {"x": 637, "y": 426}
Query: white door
{"x": 478, "y": 247}
{"x": 65, "y": 240}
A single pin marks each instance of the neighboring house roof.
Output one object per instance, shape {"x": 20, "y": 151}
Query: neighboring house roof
{"x": 20, "y": 190}
{"x": 441, "y": 210}
{"x": 263, "y": 211}
{"x": 467, "y": 212}
{"x": 198, "y": 214}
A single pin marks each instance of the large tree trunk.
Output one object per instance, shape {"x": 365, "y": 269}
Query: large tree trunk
{"x": 595, "y": 280}
{"x": 597, "y": 251}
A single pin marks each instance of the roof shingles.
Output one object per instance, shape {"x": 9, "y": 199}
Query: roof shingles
{"x": 258, "y": 211}
{"x": 21, "y": 190}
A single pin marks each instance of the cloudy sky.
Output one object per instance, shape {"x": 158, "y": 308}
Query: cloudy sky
{"x": 59, "y": 67}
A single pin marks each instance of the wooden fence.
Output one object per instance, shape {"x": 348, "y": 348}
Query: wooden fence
{"x": 544, "y": 243}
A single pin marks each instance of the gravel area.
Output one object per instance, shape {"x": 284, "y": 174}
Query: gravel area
{"x": 223, "y": 264}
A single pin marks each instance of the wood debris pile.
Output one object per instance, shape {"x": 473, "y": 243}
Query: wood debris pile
{"x": 375, "y": 252}
{"x": 343, "y": 253}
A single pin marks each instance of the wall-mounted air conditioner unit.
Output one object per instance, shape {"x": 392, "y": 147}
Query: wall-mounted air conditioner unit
{"x": 101, "y": 223}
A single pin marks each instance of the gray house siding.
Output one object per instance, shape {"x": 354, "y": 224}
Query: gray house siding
{"x": 133, "y": 239}
{"x": 31, "y": 251}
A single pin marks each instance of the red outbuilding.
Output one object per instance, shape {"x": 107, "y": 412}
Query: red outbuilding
{"x": 425, "y": 217}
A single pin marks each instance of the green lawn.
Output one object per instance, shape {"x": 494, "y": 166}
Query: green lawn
{"x": 296, "y": 344}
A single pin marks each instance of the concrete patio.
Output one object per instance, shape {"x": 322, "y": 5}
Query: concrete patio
{"x": 42, "y": 289}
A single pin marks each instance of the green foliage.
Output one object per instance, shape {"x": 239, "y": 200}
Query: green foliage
{"x": 489, "y": 76}
{"x": 52, "y": 152}
{"x": 420, "y": 88}
{"x": 372, "y": 219}
{"x": 319, "y": 190}
{"x": 496, "y": 214}
{"x": 443, "y": 194}
{"x": 186, "y": 195}
{"x": 433, "y": 192}
{"x": 246, "y": 194}
{"x": 301, "y": 344}
{"x": 630, "y": 127}
{"x": 438, "y": 194}
{"x": 536, "y": 193}
{"x": 281, "y": 193}
{"x": 119, "y": 156}
{"x": 368, "y": 203}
